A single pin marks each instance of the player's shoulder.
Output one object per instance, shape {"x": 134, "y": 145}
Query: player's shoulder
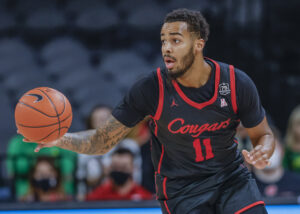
{"x": 243, "y": 81}
{"x": 225, "y": 66}
{"x": 147, "y": 81}
{"x": 152, "y": 77}
{"x": 240, "y": 75}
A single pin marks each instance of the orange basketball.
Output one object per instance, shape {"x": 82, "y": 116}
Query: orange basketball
{"x": 43, "y": 115}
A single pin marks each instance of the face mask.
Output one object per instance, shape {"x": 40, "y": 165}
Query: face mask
{"x": 119, "y": 178}
{"x": 45, "y": 184}
{"x": 275, "y": 160}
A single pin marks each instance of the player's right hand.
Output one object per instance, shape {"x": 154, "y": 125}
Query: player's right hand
{"x": 45, "y": 145}
{"x": 40, "y": 145}
{"x": 258, "y": 157}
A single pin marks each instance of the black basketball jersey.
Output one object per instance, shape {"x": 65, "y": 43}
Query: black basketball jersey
{"x": 196, "y": 139}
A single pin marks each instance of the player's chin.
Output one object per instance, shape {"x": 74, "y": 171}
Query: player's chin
{"x": 172, "y": 74}
{"x": 171, "y": 71}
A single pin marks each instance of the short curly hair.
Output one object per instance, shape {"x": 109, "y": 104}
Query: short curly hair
{"x": 197, "y": 24}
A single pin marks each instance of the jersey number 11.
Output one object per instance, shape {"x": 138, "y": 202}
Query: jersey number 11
{"x": 198, "y": 150}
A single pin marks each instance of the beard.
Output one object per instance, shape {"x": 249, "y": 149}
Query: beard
{"x": 187, "y": 62}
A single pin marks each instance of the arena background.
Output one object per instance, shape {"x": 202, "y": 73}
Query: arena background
{"x": 93, "y": 50}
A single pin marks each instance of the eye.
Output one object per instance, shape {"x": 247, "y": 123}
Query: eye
{"x": 176, "y": 41}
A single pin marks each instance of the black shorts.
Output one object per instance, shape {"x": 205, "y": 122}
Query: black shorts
{"x": 238, "y": 195}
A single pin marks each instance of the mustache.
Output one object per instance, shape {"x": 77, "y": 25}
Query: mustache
{"x": 166, "y": 55}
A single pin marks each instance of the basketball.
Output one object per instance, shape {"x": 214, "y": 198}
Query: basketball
{"x": 43, "y": 115}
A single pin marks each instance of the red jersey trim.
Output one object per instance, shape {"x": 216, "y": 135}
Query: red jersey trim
{"x": 155, "y": 130}
{"x": 164, "y": 188}
{"x": 161, "y": 96}
{"x": 204, "y": 104}
{"x": 156, "y": 188}
{"x": 161, "y": 158}
{"x": 167, "y": 208}
{"x": 232, "y": 88}
{"x": 249, "y": 206}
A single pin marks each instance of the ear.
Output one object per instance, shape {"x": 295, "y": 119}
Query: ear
{"x": 199, "y": 45}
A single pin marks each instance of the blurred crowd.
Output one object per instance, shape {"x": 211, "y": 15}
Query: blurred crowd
{"x": 126, "y": 172}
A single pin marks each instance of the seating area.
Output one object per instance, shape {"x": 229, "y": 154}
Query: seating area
{"x": 94, "y": 52}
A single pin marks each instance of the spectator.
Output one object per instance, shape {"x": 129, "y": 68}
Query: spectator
{"x": 45, "y": 182}
{"x": 90, "y": 171}
{"x": 20, "y": 159}
{"x": 98, "y": 116}
{"x": 141, "y": 135}
{"x": 292, "y": 141}
{"x": 138, "y": 142}
{"x": 120, "y": 185}
{"x": 274, "y": 180}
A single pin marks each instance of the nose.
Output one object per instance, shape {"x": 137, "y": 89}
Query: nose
{"x": 167, "y": 47}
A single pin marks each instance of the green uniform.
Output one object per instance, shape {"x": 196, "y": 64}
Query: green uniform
{"x": 291, "y": 160}
{"x": 21, "y": 158}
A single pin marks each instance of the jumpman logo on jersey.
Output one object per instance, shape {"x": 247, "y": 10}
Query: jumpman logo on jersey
{"x": 174, "y": 103}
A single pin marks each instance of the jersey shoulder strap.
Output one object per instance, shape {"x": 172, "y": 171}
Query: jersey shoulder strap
{"x": 228, "y": 84}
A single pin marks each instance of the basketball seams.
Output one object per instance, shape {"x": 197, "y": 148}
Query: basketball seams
{"x": 29, "y": 106}
{"x": 43, "y": 126}
{"x": 65, "y": 127}
{"x": 64, "y": 105}
{"x": 54, "y": 110}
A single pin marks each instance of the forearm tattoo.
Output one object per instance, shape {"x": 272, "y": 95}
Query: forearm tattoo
{"x": 98, "y": 141}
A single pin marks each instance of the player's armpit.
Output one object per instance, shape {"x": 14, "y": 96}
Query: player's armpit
{"x": 93, "y": 142}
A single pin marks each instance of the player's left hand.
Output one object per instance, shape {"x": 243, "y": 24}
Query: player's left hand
{"x": 258, "y": 157}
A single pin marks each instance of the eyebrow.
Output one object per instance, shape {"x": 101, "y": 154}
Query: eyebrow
{"x": 174, "y": 33}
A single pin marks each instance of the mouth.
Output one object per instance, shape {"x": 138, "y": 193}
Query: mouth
{"x": 170, "y": 62}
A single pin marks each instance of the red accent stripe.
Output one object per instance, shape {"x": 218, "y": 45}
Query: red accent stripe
{"x": 156, "y": 188}
{"x": 250, "y": 206}
{"x": 236, "y": 141}
{"x": 155, "y": 130}
{"x": 232, "y": 88}
{"x": 204, "y": 104}
{"x": 167, "y": 208}
{"x": 161, "y": 95}
{"x": 164, "y": 188}
{"x": 161, "y": 158}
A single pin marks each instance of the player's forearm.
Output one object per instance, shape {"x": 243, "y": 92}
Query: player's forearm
{"x": 98, "y": 141}
{"x": 79, "y": 142}
{"x": 267, "y": 142}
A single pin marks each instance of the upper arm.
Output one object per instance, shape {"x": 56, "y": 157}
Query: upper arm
{"x": 258, "y": 131}
{"x": 110, "y": 134}
{"x": 140, "y": 101}
{"x": 250, "y": 109}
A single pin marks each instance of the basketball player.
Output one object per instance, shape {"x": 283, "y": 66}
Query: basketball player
{"x": 195, "y": 104}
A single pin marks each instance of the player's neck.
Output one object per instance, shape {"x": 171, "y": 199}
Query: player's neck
{"x": 197, "y": 75}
